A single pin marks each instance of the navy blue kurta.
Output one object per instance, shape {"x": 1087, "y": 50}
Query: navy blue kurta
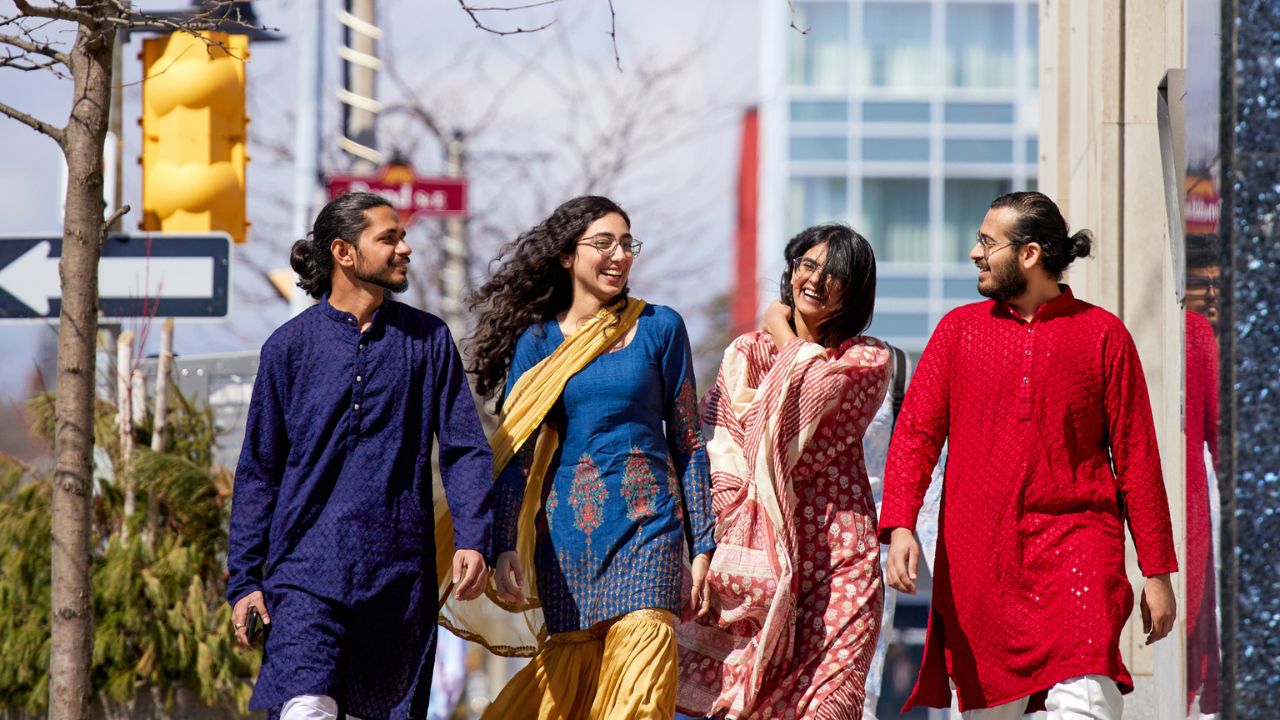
{"x": 332, "y": 512}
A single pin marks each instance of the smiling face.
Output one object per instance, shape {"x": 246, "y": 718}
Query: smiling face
{"x": 381, "y": 253}
{"x": 1000, "y": 272}
{"x": 815, "y": 300}
{"x": 601, "y": 275}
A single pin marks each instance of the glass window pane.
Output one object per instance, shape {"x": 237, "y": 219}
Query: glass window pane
{"x": 817, "y": 200}
{"x": 895, "y": 51}
{"x": 975, "y": 112}
{"x": 891, "y": 324}
{"x": 895, "y": 112}
{"x": 1033, "y": 150}
{"x": 895, "y": 149}
{"x": 895, "y": 214}
{"x": 969, "y": 150}
{"x": 980, "y": 45}
{"x": 820, "y": 148}
{"x": 902, "y": 287}
{"x": 820, "y": 57}
{"x": 819, "y": 111}
{"x": 956, "y": 288}
{"x": 964, "y": 205}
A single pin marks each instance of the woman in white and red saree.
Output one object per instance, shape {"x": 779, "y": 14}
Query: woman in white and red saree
{"x": 795, "y": 580}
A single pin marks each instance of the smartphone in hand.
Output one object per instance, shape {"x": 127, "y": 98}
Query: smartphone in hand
{"x": 254, "y": 627}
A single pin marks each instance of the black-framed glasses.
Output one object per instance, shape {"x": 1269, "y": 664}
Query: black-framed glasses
{"x": 606, "y": 243}
{"x": 1204, "y": 283}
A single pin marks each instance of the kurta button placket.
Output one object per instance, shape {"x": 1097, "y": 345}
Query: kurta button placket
{"x": 1024, "y": 393}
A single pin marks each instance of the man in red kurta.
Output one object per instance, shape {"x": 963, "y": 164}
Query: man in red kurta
{"x": 1051, "y": 447}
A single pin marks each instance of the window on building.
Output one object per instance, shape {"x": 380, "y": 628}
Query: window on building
{"x": 895, "y": 112}
{"x": 895, "y": 215}
{"x": 895, "y": 149}
{"x": 820, "y": 149}
{"x": 820, "y": 57}
{"x": 977, "y": 150}
{"x": 819, "y": 111}
{"x": 980, "y": 45}
{"x": 895, "y": 50}
{"x": 817, "y": 200}
{"x": 964, "y": 204}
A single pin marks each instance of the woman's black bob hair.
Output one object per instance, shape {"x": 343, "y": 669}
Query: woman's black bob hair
{"x": 850, "y": 271}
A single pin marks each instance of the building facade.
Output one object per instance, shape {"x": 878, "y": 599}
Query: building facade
{"x": 904, "y": 119}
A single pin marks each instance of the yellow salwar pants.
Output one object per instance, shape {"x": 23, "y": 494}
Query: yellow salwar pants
{"x": 624, "y": 668}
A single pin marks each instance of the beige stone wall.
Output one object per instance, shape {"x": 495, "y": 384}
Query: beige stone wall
{"x": 1102, "y": 62}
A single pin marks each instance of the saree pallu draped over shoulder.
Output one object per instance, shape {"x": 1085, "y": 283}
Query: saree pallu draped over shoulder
{"x": 795, "y": 579}
{"x": 503, "y": 628}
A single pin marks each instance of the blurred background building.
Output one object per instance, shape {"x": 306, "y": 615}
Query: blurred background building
{"x": 904, "y": 119}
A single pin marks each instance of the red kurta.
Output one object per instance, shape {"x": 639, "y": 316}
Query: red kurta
{"x": 1203, "y": 663}
{"x": 1029, "y": 583}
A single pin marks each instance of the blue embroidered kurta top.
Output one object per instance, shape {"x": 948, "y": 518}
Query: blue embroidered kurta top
{"x": 627, "y": 490}
{"x": 332, "y": 515}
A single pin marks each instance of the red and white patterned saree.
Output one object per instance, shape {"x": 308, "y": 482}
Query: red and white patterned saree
{"x": 795, "y": 578}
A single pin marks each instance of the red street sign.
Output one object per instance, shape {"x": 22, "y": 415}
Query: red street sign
{"x": 433, "y": 197}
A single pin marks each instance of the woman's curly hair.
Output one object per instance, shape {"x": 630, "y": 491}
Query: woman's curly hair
{"x": 529, "y": 286}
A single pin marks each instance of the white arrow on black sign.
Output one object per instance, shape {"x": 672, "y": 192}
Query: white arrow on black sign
{"x": 164, "y": 275}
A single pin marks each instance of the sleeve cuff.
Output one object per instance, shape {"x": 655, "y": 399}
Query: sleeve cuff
{"x": 888, "y": 526}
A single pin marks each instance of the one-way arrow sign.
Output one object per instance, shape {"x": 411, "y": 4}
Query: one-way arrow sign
{"x": 151, "y": 274}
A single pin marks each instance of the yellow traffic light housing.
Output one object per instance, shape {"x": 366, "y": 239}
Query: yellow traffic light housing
{"x": 193, "y": 133}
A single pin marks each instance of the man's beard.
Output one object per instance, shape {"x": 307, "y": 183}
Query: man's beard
{"x": 1008, "y": 281}
{"x": 382, "y": 278}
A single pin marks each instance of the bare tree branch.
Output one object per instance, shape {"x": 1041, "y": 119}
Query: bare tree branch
{"x": 471, "y": 11}
{"x": 508, "y": 9}
{"x": 35, "y": 48}
{"x": 613, "y": 35}
{"x": 803, "y": 31}
{"x": 26, "y": 64}
{"x": 59, "y": 11}
{"x": 111, "y": 219}
{"x": 36, "y": 124}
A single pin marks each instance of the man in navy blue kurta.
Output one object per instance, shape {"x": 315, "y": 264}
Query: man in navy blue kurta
{"x": 332, "y": 516}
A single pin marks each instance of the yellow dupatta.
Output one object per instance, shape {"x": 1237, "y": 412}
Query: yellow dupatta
{"x": 503, "y": 628}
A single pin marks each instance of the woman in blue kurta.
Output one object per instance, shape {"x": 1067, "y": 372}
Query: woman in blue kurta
{"x": 625, "y": 493}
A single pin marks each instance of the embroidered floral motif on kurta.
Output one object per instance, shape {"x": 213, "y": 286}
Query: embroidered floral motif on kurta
{"x": 588, "y": 495}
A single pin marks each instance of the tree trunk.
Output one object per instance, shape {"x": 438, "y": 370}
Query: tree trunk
{"x": 71, "y": 652}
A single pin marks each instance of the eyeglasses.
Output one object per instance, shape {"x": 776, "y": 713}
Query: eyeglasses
{"x": 1204, "y": 283}
{"x": 990, "y": 244}
{"x": 803, "y": 267}
{"x": 606, "y": 243}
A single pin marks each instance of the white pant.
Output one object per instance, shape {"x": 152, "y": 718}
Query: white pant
{"x": 1088, "y": 697}
{"x": 311, "y": 707}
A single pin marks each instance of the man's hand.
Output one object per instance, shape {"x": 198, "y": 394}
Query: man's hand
{"x": 240, "y": 615}
{"x": 904, "y": 558}
{"x": 510, "y": 578}
{"x": 470, "y": 574}
{"x": 700, "y": 598}
{"x": 1159, "y": 607}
